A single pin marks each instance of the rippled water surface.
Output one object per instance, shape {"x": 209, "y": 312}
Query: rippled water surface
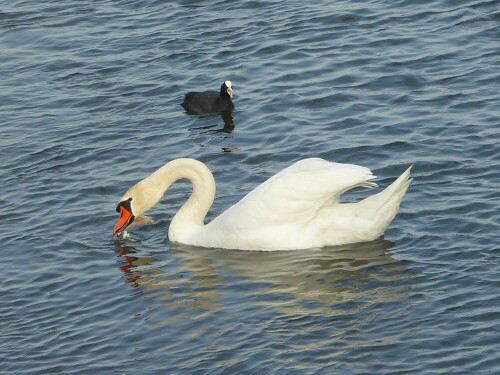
{"x": 89, "y": 104}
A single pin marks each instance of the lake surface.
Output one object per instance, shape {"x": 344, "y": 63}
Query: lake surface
{"x": 89, "y": 105}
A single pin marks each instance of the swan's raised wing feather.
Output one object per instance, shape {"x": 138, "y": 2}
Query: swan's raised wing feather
{"x": 295, "y": 195}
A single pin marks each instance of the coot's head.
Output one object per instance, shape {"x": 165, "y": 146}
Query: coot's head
{"x": 226, "y": 89}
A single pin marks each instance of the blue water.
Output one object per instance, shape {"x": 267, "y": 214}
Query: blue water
{"x": 89, "y": 105}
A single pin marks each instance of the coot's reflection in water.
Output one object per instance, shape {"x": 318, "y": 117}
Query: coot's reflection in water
{"x": 328, "y": 281}
{"x": 228, "y": 127}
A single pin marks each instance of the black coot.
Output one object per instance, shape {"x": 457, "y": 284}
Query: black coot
{"x": 198, "y": 103}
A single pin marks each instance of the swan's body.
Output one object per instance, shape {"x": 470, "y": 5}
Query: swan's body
{"x": 297, "y": 208}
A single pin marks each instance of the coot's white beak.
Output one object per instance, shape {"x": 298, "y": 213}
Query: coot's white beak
{"x": 230, "y": 92}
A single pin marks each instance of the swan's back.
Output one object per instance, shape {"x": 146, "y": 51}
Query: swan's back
{"x": 285, "y": 205}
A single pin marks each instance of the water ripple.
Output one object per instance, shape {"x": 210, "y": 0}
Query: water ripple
{"x": 89, "y": 103}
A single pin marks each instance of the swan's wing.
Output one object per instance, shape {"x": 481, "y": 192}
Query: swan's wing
{"x": 294, "y": 195}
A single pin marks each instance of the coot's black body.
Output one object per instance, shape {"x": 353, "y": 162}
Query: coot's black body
{"x": 199, "y": 103}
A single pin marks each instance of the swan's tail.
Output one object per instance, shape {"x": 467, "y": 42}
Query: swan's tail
{"x": 383, "y": 207}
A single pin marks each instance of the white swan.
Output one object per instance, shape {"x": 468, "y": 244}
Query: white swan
{"x": 297, "y": 208}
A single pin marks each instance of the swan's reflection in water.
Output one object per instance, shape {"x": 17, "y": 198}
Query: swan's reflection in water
{"x": 329, "y": 281}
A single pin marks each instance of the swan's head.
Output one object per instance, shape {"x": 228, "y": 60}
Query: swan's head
{"x": 227, "y": 88}
{"x": 126, "y": 218}
{"x": 137, "y": 200}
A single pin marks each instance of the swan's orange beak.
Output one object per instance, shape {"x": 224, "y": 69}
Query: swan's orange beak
{"x": 126, "y": 218}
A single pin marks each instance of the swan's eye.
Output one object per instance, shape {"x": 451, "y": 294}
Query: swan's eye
{"x": 125, "y": 204}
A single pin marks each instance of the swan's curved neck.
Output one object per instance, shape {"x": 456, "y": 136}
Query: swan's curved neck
{"x": 190, "y": 218}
